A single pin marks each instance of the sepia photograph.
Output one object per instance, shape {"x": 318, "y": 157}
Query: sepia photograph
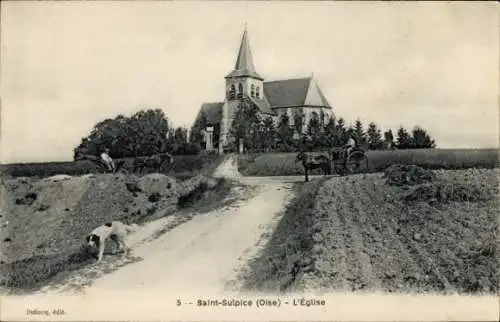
{"x": 249, "y": 160}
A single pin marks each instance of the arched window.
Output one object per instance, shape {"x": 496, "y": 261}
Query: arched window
{"x": 252, "y": 90}
{"x": 315, "y": 116}
{"x": 240, "y": 90}
{"x": 257, "y": 92}
{"x": 232, "y": 92}
{"x": 298, "y": 122}
{"x": 322, "y": 117}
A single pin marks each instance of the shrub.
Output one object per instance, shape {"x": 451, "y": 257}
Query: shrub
{"x": 443, "y": 192}
{"x": 399, "y": 175}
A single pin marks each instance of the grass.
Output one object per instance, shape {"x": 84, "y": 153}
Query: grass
{"x": 288, "y": 249}
{"x": 281, "y": 164}
{"x": 184, "y": 166}
{"x": 34, "y": 272}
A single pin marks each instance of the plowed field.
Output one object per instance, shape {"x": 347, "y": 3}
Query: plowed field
{"x": 372, "y": 240}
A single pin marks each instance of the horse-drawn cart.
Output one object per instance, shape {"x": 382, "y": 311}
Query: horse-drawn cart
{"x": 354, "y": 162}
{"x": 337, "y": 159}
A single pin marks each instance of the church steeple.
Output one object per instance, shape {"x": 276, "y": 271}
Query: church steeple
{"x": 244, "y": 66}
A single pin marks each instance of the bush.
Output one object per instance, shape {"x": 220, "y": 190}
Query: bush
{"x": 443, "y": 192}
{"x": 399, "y": 175}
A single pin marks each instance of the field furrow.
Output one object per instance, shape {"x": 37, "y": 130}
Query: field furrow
{"x": 359, "y": 263}
{"x": 378, "y": 236}
{"x": 430, "y": 267}
{"x": 408, "y": 273}
{"x": 393, "y": 265}
{"x": 334, "y": 267}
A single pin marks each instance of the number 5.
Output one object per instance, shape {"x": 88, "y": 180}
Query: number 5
{"x": 179, "y": 302}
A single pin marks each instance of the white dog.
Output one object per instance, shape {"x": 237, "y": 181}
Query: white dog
{"x": 115, "y": 230}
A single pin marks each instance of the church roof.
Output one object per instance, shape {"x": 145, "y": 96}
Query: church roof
{"x": 244, "y": 62}
{"x": 212, "y": 111}
{"x": 295, "y": 93}
{"x": 262, "y": 104}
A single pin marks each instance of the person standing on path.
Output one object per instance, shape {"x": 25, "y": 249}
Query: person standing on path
{"x": 107, "y": 160}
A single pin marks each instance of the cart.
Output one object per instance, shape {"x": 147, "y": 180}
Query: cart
{"x": 355, "y": 162}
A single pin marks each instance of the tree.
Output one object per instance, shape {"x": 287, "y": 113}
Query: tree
{"x": 298, "y": 122}
{"x": 245, "y": 124}
{"x": 374, "y": 137}
{"x": 388, "y": 139}
{"x": 330, "y": 132}
{"x": 313, "y": 128}
{"x": 358, "y": 133}
{"x": 178, "y": 143}
{"x": 284, "y": 133}
{"x": 421, "y": 139}
{"x": 196, "y": 133}
{"x": 144, "y": 133}
{"x": 314, "y": 131}
{"x": 178, "y": 139}
{"x": 268, "y": 134}
{"x": 322, "y": 119}
{"x": 341, "y": 132}
{"x": 404, "y": 139}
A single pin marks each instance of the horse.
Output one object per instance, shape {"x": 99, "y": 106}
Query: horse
{"x": 98, "y": 161}
{"x": 318, "y": 162}
{"x": 154, "y": 161}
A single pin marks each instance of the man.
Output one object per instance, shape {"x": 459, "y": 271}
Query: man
{"x": 351, "y": 144}
{"x": 107, "y": 160}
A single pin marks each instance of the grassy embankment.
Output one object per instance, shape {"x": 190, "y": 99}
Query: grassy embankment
{"x": 61, "y": 213}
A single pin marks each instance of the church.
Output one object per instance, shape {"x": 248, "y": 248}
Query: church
{"x": 300, "y": 98}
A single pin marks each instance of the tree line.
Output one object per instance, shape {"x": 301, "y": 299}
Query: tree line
{"x": 148, "y": 132}
{"x": 260, "y": 133}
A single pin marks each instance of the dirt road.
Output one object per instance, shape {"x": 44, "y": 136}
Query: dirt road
{"x": 202, "y": 254}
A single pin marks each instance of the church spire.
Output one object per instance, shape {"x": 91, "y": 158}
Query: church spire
{"x": 244, "y": 62}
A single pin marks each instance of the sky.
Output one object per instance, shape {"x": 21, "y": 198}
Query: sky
{"x": 67, "y": 65}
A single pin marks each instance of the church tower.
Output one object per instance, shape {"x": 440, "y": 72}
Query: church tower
{"x": 242, "y": 81}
